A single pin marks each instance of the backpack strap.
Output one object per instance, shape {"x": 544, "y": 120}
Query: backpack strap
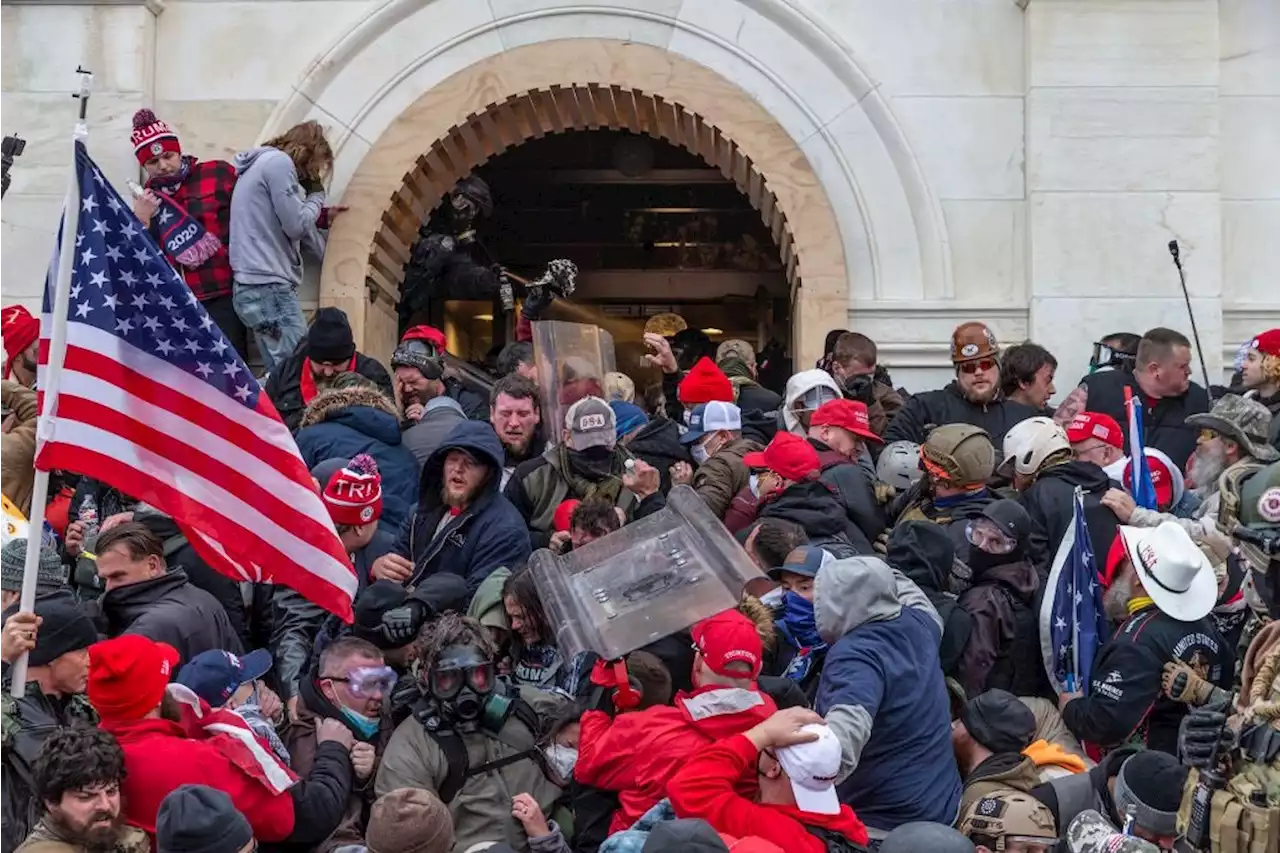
{"x": 455, "y": 755}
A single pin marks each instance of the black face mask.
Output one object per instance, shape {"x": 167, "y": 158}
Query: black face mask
{"x": 860, "y": 388}
{"x": 594, "y": 462}
{"x": 981, "y": 561}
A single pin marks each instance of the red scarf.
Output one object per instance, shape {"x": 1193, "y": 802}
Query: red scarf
{"x": 308, "y": 381}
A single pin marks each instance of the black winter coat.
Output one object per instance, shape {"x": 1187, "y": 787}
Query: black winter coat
{"x": 1004, "y": 649}
{"x": 168, "y": 609}
{"x": 1126, "y": 699}
{"x": 923, "y": 551}
{"x": 754, "y": 397}
{"x": 1050, "y": 501}
{"x": 923, "y": 412}
{"x": 852, "y": 488}
{"x": 815, "y": 507}
{"x": 1164, "y": 423}
{"x": 658, "y": 444}
{"x": 284, "y": 385}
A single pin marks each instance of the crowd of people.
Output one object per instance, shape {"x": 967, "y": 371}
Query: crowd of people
{"x": 887, "y": 688}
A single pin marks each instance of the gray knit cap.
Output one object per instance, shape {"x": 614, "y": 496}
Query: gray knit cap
{"x": 49, "y": 574}
{"x": 1151, "y": 783}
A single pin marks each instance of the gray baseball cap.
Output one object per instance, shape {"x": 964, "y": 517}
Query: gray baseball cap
{"x": 591, "y": 423}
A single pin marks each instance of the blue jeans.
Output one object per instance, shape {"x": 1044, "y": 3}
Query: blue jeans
{"x": 272, "y": 313}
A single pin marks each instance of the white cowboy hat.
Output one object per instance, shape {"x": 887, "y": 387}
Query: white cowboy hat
{"x": 1173, "y": 570}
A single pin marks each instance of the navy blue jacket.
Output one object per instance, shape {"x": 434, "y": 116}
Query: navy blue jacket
{"x": 883, "y": 694}
{"x": 341, "y": 424}
{"x": 487, "y": 535}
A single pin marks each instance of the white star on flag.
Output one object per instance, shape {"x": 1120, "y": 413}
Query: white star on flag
{"x": 128, "y": 278}
{"x": 86, "y": 257}
{"x": 88, "y": 204}
{"x": 114, "y": 253}
{"x": 204, "y": 370}
{"x": 243, "y": 392}
{"x": 83, "y": 309}
{"x": 99, "y": 226}
{"x": 124, "y": 326}
{"x": 98, "y": 279}
{"x": 139, "y": 301}
{"x": 164, "y": 346}
{"x": 112, "y": 302}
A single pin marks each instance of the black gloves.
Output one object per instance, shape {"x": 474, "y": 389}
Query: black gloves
{"x": 401, "y": 624}
{"x": 1204, "y": 736}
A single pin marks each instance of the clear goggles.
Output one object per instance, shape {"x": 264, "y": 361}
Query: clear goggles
{"x": 1105, "y": 356}
{"x": 986, "y": 535}
{"x": 369, "y": 681}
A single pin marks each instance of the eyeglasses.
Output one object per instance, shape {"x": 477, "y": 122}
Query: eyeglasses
{"x": 448, "y": 683}
{"x": 1207, "y": 434}
{"x": 368, "y": 681}
{"x": 984, "y": 534}
{"x": 982, "y": 364}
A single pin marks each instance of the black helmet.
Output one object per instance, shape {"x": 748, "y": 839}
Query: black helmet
{"x": 1011, "y": 518}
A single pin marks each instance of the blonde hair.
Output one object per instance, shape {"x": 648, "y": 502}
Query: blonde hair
{"x": 307, "y": 148}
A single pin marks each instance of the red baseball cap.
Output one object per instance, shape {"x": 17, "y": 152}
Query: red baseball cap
{"x": 1268, "y": 343}
{"x": 128, "y": 676}
{"x": 846, "y": 414}
{"x": 729, "y": 637}
{"x": 788, "y": 455}
{"x": 1161, "y": 478}
{"x": 1087, "y": 425}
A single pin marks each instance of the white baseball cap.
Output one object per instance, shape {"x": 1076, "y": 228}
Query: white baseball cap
{"x": 812, "y": 768}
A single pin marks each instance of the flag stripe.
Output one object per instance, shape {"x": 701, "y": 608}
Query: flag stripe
{"x": 157, "y": 436}
{"x": 325, "y": 588}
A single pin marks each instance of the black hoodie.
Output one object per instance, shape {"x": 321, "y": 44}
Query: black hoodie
{"x": 1050, "y": 501}
{"x": 1004, "y": 649}
{"x": 923, "y": 551}
{"x": 813, "y": 506}
{"x": 658, "y": 444}
{"x": 948, "y": 405}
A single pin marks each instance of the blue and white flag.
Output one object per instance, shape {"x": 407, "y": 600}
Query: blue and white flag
{"x": 1073, "y": 624}
{"x": 1141, "y": 486}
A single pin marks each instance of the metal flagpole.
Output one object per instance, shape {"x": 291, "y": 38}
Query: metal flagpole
{"x": 52, "y": 373}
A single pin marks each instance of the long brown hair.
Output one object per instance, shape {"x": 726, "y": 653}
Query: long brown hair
{"x": 308, "y": 149}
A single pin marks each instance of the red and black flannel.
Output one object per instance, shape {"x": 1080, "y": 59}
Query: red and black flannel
{"x": 206, "y": 195}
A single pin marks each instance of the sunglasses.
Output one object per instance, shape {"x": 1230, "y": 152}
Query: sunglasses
{"x": 368, "y": 681}
{"x": 1207, "y": 434}
{"x": 982, "y": 364}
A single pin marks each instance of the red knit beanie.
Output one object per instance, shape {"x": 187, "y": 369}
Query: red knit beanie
{"x": 20, "y": 331}
{"x": 705, "y": 383}
{"x": 564, "y": 515}
{"x": 128, "y": 676}
{"x": 151, "y": 137}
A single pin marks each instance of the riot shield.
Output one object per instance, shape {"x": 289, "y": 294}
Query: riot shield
{"x": 652, "y": 578}
{"x": 572, "y": 359}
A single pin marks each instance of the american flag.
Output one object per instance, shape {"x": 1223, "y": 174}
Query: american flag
{"x": 1073, "y": 623}
{"x": 1141, "y": 486}
{"x": 154, "y": 401}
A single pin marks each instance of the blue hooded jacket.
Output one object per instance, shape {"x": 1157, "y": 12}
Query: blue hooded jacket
{"x": 883, "y": 695}
{"x": 344, "y": 423}
{"x": 488, "y": 534}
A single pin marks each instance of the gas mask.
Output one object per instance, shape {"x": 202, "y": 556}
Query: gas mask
{"x": 463, "y": 687}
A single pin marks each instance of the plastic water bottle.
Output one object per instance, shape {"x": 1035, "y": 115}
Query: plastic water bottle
{"x": 87, "y": 567}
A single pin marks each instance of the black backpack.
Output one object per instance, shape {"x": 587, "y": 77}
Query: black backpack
{"x": 835, "y": 842}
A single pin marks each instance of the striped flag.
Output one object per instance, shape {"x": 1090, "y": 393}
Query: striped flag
{"x": 1141, "y": 486}
{"x": 153, "y": 400}
{"x": 1073, "y": 623}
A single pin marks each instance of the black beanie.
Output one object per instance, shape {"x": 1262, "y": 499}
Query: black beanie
{"x": 64, "y": 628}
{"x": 1151, "y": 782}
{"x": 329, "y": 339}
{"x": 200, "y": 819}
{"x": 376, "y": 599}
{"x": 999, "y": 721}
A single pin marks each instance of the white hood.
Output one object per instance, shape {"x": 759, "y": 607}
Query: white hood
{"x": 797, "y": 387}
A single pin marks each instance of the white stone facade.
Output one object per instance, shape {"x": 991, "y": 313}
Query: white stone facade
{"x": 1024, "y": 163}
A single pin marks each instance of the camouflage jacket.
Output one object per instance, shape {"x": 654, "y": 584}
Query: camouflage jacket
{"x": 46, "y": 839}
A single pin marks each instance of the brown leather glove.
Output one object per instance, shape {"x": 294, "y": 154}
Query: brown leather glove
{"x": 1182, "y": 684}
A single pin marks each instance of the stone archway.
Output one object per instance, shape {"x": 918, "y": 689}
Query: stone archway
{"x": 864, "y": 224}
{"x": 540, "y": 112}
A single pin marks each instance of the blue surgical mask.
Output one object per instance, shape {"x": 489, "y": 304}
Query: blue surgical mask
{"x": 700, "y": 454}
{"x": 367, "y": 726}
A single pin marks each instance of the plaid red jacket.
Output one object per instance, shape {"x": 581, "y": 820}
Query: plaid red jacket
{"x": 206, "y": 195}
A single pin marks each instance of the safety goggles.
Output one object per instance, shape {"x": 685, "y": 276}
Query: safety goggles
{"x": 987, "y": 536}
{"x": 982, "y": 364}
{"x": 368, "y": 681}
{"x": 1105, "y": 356}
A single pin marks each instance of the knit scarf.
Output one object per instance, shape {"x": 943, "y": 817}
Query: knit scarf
{"x": 606, "y": 489}
{"x": 799, "y": 627}
{"x": 184, "y": 239}
{"x": 307, "y": 382}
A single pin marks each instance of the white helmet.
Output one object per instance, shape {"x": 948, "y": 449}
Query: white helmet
{"x": 899, "y": 465}
{"x": 1029, "y": 443}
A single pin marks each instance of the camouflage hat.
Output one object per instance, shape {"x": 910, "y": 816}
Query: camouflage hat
{"x": 1090, "y": 833}
{"x": 736, "y": 348}
{"x": 1008, "y": 813}
{"x": 1246, "y": 422}
{"x": 960, "y": 454}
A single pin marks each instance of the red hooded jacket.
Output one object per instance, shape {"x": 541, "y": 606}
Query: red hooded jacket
{"x": 159, "y": 757}
{"x": 636, "y": 754}
{"x": 704, "y": 788}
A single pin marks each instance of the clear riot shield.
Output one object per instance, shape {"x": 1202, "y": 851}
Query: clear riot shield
{"x": 572, "y": 359}
{"x": 653, "y": 577}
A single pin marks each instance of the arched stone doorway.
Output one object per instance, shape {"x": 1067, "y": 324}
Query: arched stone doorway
{"x": 864, "y": 225}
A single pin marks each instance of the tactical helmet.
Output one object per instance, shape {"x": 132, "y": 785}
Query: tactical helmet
{"x": 959, "y": 454}
{"x": 1005, "y": 815}
{"x": 1030, "y": 443}
{"x": 972, "y": 341}
{"x": 899, "y": 465}
{"x": 1251, "y": 498}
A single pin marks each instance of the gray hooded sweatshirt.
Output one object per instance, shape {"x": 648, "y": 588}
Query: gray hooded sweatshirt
{"x": 271, "y": 218}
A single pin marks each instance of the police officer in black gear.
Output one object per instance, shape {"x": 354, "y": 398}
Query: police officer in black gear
{"x": 1166, "y": 587}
